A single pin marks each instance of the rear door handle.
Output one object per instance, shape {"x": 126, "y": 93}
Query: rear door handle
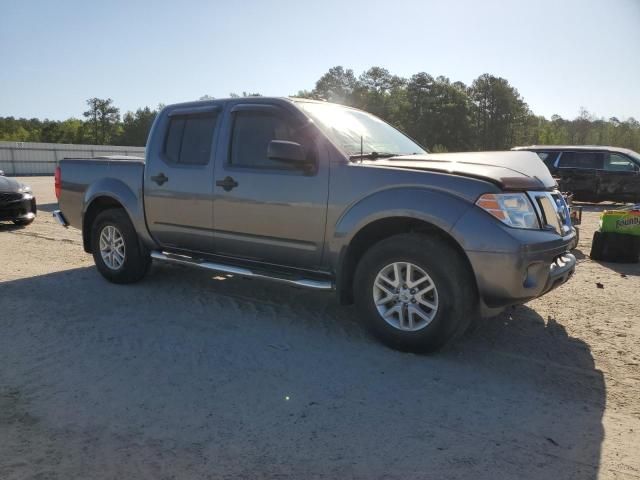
{"x": 160, "y": 178}
{"x": 227, "y": 183}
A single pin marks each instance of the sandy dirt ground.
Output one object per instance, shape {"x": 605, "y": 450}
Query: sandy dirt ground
{"x": 188, "y": 375}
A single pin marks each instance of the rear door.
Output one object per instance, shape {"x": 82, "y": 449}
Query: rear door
{"x": 619, "y": 180}
{"x": 265, "y": 210}
{"x": 178, "y": 184}
{"x": 577, "y": 172}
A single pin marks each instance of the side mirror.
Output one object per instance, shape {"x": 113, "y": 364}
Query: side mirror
{"x": 1, "y": 173}
{"x": 289, "y": 152}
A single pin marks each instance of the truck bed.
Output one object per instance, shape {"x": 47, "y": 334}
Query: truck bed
{"x": 87, "y": 178}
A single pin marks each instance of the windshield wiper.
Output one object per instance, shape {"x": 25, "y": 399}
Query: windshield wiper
{"x": 372, "y": 155}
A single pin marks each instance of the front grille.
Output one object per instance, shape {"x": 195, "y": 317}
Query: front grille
{"x": 553, "y": 211}
{"x": 9, "y": 197}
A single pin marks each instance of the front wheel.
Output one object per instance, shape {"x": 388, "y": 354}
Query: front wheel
{"x": 117, "y": 251}
{"x": 415, "y": 292}
{"x": 24, "y": 222}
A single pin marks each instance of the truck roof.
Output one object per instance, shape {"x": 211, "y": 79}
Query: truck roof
{"x": 601, "y": 148}
{"x": 252, "y": 100}
{"x": 246, "y": 100}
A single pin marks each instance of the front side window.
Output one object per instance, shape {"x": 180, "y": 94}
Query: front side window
{"x": 583, "y": 160}
{"x": 354, "y": 130}
{"x": 189, "y": 139}
{"x": 616, "y": 162}
{"x": 252, "y": 133}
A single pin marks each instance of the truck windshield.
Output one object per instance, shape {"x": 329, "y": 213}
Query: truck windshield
{"x": 347, "y": 126}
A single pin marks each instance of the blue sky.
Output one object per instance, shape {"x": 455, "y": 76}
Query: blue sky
{"x": 560, "y": 54}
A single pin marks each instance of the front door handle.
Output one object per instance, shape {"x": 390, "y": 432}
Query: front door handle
{"x": 228, "y": 183}
{"x": 160, "y": 178}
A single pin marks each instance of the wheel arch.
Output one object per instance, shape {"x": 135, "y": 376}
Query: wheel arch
{"x": 381, "y": 229}
{"x": 113, "y": 193}
{"x": 96, "y": 206}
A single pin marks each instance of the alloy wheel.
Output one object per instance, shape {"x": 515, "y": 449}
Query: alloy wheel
{"x": 405, "y": 296}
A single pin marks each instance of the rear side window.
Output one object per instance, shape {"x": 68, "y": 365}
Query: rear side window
{"x": 586, "y": 160}
{"x": 252, "y": 132}
{"x": 189, "y": 139}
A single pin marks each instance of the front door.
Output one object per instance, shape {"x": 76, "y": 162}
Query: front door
{"x": 265, "y": 210}
{"x": 178, "y": 184}
{"x": 619, "y": 181}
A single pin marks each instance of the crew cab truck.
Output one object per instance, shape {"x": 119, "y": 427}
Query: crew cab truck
{"x": 323, "y": 196}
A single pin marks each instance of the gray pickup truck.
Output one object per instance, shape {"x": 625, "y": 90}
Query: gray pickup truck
{"x": 322, "y": 196}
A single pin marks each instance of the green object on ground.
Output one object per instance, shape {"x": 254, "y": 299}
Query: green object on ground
{"x": 621, "y": 221}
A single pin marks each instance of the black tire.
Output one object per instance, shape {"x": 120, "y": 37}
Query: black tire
{"x": 136, "y": 259}
{"x": 576, "y": 240}
{"x": 457, "y": 300}
{"x": 615, "y": 247}
{"x": 597, "y": 247}
{"x": 24, "y": 223}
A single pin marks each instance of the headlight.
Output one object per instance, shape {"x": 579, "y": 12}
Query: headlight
{"x": 513, "y": 209}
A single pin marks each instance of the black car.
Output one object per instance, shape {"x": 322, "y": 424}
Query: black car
{"x": 593, "y": 173}
{"x": 17, "y": 203}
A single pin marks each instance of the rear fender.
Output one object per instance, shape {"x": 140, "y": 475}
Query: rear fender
{"x": 130, "y": 201}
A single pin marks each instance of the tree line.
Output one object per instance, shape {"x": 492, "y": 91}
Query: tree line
{"x": 488, "y": 114}
{"x": 102, "y": 125}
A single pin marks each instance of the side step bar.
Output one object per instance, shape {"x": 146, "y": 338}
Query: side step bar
{"x": 240, "y": 271}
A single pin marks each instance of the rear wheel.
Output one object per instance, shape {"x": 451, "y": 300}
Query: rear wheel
{"x": 415, "y": 292}
{"x": 117, "y": 251}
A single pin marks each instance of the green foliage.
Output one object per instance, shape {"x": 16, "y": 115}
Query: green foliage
{"x": 337, "y": 85}
{"x": 437, "y": 148}
{"x": 103, "y": 118}
{"x": 235, "y": 95}
{"x": 136, "y": 126}
{"x": 441, "y": 115}
{"x": 489, "y": 114}
{"x": 34, "y": 130}
{"x": 102, "y": 127}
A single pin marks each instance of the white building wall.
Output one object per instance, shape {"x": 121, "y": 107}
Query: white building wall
{"x": 29, "y": 158}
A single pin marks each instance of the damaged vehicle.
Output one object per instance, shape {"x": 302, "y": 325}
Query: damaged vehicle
{"x": 593, "y": 173}
{"x": 17, "y": 202}
{"x": 323, "y": 196}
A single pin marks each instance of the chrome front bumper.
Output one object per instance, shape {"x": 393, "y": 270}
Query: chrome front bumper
{"x": 561, "y": 270}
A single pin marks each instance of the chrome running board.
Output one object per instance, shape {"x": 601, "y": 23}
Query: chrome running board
{"x": 240, "y": 271}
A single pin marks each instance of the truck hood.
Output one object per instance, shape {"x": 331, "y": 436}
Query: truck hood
{"x": 10, "y": 185}
{"x": 517, "y": 170}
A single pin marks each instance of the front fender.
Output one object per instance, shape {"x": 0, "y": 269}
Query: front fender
{"x": 433, "y": 206}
